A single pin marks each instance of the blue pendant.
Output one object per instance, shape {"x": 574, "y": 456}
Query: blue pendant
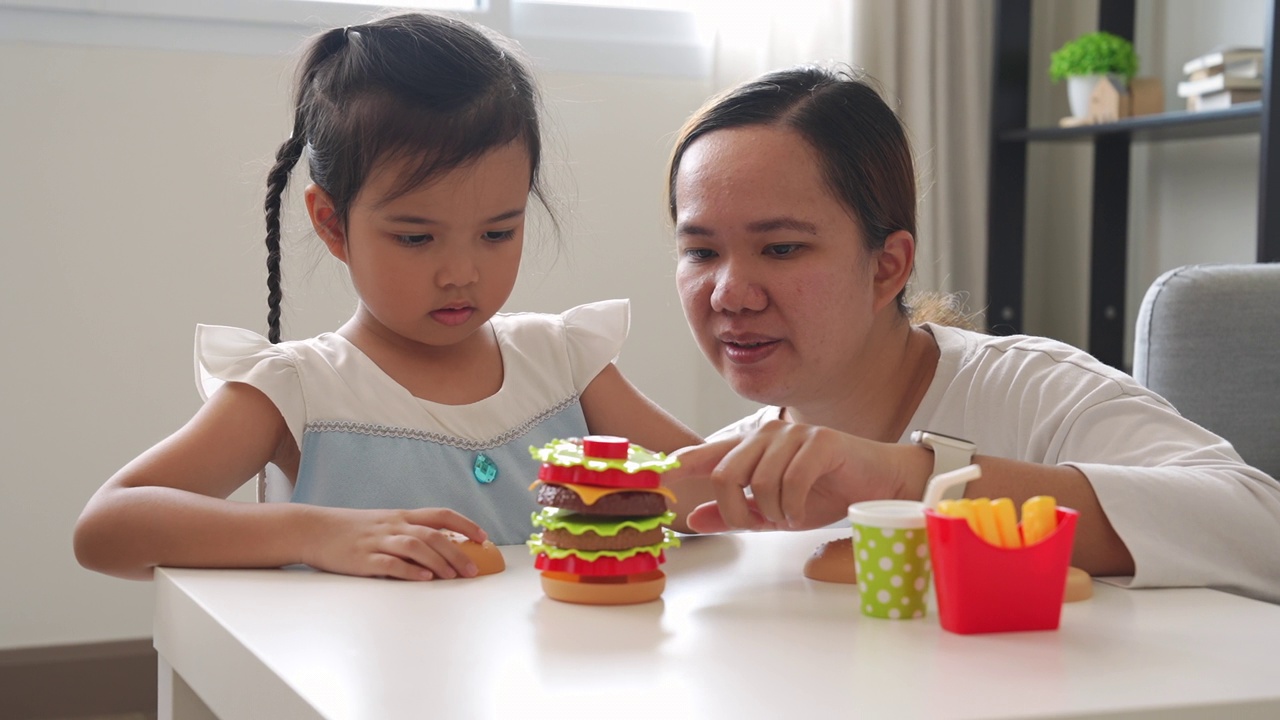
{"x": 484, "y": 469}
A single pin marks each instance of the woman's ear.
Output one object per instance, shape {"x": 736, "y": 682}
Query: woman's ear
{"x": 894, "y": 263}
{"x": 324, "y": 218}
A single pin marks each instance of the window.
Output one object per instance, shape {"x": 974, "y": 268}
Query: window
{"x": 629, "y": 4}
{"x": 453, "y": 5}
{"x": 609, "y": 36}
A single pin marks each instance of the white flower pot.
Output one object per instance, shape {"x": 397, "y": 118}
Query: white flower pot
{"x": 1080, "y": 89}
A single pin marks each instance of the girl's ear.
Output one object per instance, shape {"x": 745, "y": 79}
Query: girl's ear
{"x": 893, "y": 262}
{"x": 324, "y": 218}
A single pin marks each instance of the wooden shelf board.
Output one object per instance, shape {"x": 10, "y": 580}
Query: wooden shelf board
{"x": 1241, "y": 119}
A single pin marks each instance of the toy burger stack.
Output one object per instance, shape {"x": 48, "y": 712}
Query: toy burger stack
{"x": 603, "y": 525}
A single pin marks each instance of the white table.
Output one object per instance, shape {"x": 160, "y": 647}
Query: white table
{"x": 739, "y": 633}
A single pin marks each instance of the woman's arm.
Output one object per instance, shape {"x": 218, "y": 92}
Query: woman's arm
{"x": 613, "y": 406}
{"x": 1098, "y": 549}
{"x": 168, "y": 507}
{"x": 806, "y": 476}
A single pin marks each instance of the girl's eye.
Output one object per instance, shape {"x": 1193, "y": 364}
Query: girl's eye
{"x": 499, "y": 235}
{"x": 782, "y": 250}
{"x": 698, "y": 254}
{"x": 413, "y": 240}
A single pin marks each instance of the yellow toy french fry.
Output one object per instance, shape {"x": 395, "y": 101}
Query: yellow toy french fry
{"x": 962, "y": 508}
{"x": 985, "y": 519}
{"x": 1039, "y": 519}
{"x": 1006, "y": 523}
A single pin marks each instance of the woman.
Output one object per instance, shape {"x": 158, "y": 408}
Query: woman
{"x": 794, "y": 201}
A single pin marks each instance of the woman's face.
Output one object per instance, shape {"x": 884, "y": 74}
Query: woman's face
{"x": 773, "y": 275}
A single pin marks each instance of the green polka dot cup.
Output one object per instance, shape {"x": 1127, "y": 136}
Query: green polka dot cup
{"x": 892, "y": 553}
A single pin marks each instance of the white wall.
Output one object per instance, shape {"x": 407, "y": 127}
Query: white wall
{"x": 131, "y": 192}
{"x": 1191, "y": 201}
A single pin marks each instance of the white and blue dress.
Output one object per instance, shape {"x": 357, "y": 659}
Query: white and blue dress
{"x": 367, "y": 442}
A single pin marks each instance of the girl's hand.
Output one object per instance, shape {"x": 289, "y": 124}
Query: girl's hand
{"x": 405, "y": 544}
{"x": 800, "y": 476}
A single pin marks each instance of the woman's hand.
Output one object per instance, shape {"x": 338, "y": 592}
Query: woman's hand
{"x": 800, "y": 477}
{"x": 405, "y": 544}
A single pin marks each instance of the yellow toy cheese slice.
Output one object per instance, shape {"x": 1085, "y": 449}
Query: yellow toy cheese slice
{"x": 590, "y": 493}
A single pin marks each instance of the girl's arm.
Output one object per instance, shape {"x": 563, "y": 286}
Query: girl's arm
{"x": 168, "y": 507}
{"x": 613, "y": 406}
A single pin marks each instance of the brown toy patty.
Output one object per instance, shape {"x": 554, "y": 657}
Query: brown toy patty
{"x": 626, "y": 538}
{"x": 637, "y": 503}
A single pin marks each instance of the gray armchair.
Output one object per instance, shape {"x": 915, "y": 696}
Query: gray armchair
{"x": 1208, "y": 340}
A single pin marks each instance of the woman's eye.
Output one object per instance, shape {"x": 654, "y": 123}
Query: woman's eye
{"x": 698, "y": 254}
{"x": 499, "y": 235}
{"x": 782, "y": 249}
{"x": 413, "y": 240}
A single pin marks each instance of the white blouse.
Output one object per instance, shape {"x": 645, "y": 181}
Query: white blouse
{"x": 1191, "y": 512}
{"x": 367, "y": 442}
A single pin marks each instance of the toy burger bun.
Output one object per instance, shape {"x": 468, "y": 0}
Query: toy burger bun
{"x": 1079, "y": 586}
{"x": 630, "y": 590}
{"x": 603, "y": 525}
{"x": 832, "y": 562}
{"x": 485, "y": 555}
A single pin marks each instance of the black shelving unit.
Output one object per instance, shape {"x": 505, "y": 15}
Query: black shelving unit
{"x": 1010, "y": 134}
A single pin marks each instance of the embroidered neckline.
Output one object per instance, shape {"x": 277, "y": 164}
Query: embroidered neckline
{"x": 362, "y": 428}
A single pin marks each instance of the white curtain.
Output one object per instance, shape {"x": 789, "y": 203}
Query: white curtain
{"x": 935, "y": 57}
{"x": 932, "y": 59}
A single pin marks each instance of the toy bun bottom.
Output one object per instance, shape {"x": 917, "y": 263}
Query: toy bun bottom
{"x": 833, "y": 562}
{"x": 487, "y": 557}
{"x": 1079, "y": 586}
{"x": 641, "y": 588}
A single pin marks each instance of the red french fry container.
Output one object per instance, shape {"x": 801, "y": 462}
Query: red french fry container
{"x": 984, "y": 589}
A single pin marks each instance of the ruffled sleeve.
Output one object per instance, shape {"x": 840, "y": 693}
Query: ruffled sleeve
{"x": 227, "y": 354}
{"x": 595, "y": 333}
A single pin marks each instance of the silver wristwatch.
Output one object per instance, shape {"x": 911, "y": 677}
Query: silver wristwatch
{"x": 949, "y": 453}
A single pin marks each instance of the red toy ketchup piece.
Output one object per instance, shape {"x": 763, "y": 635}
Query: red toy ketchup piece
{"x": 606, "y": 447}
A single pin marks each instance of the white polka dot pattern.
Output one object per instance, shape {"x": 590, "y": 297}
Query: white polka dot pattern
{"x": 892, "y": 580}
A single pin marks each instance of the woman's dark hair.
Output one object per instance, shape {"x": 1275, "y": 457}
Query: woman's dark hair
{"x": 866, "y": 154}
{"x": 416, "y": 85}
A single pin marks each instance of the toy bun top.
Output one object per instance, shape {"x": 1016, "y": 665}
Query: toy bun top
{"x": 833, "y": 562}
{"x": 487, "y": 557}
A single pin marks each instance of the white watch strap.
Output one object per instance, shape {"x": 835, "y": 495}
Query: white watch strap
{"x": 946, "y": 459}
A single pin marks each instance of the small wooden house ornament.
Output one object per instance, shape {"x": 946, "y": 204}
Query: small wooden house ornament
{"x": 1109, "y": 101}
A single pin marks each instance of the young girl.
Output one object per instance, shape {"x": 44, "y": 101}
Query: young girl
{"x": 415, "y": 417}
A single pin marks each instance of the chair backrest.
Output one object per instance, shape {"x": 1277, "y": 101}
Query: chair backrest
{"x": 1208, "y": 341}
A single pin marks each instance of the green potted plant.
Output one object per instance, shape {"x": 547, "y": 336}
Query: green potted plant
{"x": 1086, "y": 60}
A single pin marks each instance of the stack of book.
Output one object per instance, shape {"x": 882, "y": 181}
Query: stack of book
{"x": 1223, "y": 78}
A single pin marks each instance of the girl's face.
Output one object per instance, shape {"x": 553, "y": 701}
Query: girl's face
{"x": 434, "y": 264}
{"x": 772, "y": 273}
